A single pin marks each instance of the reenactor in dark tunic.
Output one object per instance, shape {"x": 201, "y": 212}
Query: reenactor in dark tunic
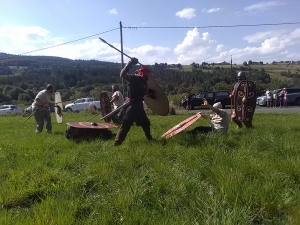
{"x": 134, "y": 112}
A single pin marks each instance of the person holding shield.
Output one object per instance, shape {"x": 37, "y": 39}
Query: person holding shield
{"x": 40, "y": 107}
{"x": 134, "y": 111}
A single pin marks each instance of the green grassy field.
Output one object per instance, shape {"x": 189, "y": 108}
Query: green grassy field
{"x": 247, "y": 177}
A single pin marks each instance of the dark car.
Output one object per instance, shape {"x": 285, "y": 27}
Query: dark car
{"x": 211, "y": 96}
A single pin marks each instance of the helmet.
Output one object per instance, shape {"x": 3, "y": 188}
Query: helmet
{"x": 241, "y": 75}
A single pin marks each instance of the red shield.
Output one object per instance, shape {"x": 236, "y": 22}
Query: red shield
{"x": 245, "y": 100}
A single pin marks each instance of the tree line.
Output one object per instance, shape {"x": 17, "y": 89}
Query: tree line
{"x": 78, "y": 78}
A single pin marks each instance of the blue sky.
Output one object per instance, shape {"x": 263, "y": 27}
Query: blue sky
{"x": 29, "y": 25}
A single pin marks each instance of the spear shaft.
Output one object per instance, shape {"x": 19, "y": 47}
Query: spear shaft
{"x": 142, "y": 65}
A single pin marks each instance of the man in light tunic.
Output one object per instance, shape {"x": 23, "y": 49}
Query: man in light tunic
{"x": 117, "y": 101}
{"x": 117, "y": 97}
{"x": 219, "y": 120}
{"x": 40, "y": 107}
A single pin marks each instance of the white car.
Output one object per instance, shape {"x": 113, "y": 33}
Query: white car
{"x": 261, "y": 100}
{"x": 82, "y": 104}
{"x": 9, "y": 110}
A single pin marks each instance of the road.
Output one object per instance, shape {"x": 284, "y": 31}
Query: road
{"x": 289, "y": 109}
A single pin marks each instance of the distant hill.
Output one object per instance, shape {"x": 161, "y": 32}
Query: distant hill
{"x": 21, "y": 77}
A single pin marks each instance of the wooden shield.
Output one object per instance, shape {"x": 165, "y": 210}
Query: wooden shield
{"x": 244, "y": 110}
{"x": 87, "y": 125}
{"x": 159, "y": 104}
{"x": 58, "y": 112}
{"x": 181, "y": 126}
{"x": 79, "y": 131}
{"x": 105, "y": 106}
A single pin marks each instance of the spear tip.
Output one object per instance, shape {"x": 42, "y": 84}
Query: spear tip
{"x": 102, "y": 40}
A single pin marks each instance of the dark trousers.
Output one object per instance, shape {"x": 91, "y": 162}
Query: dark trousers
{"x": 117, "y": 118}
{"x": 200, "y": 130}
{"x": 248, "y": 124}
{"x": 41, "y": 117}
{"x": 133, "y": 113}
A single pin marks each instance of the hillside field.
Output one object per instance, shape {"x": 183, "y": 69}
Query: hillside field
{"x": 246, "y": 177}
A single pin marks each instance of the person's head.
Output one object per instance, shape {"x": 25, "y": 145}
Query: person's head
{"x": 218, "y": 105}
{"x": 115, "y": 88}
{"x": 144, "y": 72}
{"x": 241, "y": 75}
{"x": 49, "y": 88}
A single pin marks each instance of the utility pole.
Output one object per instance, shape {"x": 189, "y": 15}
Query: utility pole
{"x": 122, "y": 57}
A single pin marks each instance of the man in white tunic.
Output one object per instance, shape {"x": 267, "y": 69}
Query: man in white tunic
{"x": 40, "y": 107}
{"x": 219, "y": 121}
{"x": 117, "y": 97}
{"x": 117, "y": 100}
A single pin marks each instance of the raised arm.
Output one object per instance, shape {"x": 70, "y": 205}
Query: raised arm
{"x": 214, "y": 109}
{"x": 128, "y": 66}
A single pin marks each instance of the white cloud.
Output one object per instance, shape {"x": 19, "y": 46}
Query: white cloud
{"x": 187, "y": 13}
{"x": 21, "y": 38}
{"x": 194, "y": 47}
{"x": 263, "y": 6}
{"x": 259, "y": 37}
{"x": 212, "y": 10}
{"x": 148, "y": 54}
{"x": 113, "y": 11}
{"x": 271, "y": 48}
{"x": 220, "y": 47}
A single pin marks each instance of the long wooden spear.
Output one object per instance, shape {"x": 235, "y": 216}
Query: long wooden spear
{"x": 111, "y": 113}
{"x": 142, "y": 65}
{"x": 231, "y": 85}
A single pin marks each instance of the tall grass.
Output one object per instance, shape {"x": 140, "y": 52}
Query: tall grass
{"x": 246, "y": 177}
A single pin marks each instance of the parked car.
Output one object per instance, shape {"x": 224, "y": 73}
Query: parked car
{"x": 262, "y": 100}
{"x": 211, "y": 96}
{"x": 82, "y": 104}
{"x": 29, "y": 109}
{"x": 10, "y": 110}
{"x": 293, "y": 96}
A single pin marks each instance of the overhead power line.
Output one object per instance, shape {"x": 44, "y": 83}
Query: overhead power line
{"x": 53, "y": 46}
{"x": 218, "y": 26}
{"x": 200, "y": 27}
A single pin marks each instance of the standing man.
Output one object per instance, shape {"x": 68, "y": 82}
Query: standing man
{"x": 275, "y": 99}
{"x": 134, "y": 112}
{"x": 248, "y": 123}
{"x": 40, "y": 107}
{"x": 117, "y": 100}
{"x": 269, "y": 98}
{"x": 219, "y": 121}
{"x": 117, "y": 97}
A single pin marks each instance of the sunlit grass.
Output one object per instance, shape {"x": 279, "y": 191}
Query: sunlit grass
{"x": 247, "y": 177}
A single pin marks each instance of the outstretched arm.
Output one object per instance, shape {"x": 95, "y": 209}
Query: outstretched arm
{"x": 214, "y": 109}
{"x": 205, "y": 116}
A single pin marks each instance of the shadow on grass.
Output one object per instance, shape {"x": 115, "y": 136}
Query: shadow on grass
{"x": 25, "y": 201}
